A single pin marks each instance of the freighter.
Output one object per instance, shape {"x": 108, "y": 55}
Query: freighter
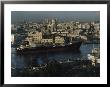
{"x": 26, "y": 47}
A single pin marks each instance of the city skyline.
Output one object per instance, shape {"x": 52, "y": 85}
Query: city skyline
{"x": 39, "y": 16}
{"x": 55, "y": 44}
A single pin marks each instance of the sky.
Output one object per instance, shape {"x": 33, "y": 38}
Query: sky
{"x": 39, "y": 16}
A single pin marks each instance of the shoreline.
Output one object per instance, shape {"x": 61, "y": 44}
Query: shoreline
{"x": 76, "y": 68}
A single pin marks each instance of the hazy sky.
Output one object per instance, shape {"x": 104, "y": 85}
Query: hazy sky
{"x": 39, "y": 16}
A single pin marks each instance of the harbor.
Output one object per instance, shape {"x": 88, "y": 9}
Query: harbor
{"x": 53, "y": 46}
{"x": 53, "y": 64}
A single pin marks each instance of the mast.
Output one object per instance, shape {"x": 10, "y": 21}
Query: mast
{"x": 91, "y": 33}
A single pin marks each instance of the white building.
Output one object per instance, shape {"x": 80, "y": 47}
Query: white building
{"x": 59, "y": 40}
{"x": 79, "y": 26}
{"x": 13, "y": 27}
{"x": 35, "y": 36}
{"x": 83, "y": 26}
{"x": 12, "y": 38}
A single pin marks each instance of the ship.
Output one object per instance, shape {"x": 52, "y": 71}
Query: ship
{"x": 26, "y": 47}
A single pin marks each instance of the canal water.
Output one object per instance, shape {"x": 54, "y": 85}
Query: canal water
{"x": 19, "y": 61}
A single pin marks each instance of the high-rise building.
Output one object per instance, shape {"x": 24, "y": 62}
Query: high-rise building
{"x": 54, "y": 25}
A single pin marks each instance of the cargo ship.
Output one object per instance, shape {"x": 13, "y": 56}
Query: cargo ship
{"x": 26, "y": 47}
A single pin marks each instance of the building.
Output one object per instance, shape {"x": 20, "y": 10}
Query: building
{"x": 76, "y": 32}
{"x": 33, "y": 25}
{"x": 35, "y": 36}
{"x": 47, "y": 41}
{"x": 59, "y": 40}
{"x": 79, "y": 26}
{"x": 94, "y": 56}
{"x": 54, "y": 25}
{"x": 12, "y": 39}
{"x": 13, "y": 27}
{"x": 83, "y": 26}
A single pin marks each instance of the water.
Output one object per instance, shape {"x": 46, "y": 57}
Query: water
{"x": 32, "y": 59}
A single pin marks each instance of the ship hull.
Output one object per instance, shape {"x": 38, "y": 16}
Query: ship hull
{"x": 74, "y": 46}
